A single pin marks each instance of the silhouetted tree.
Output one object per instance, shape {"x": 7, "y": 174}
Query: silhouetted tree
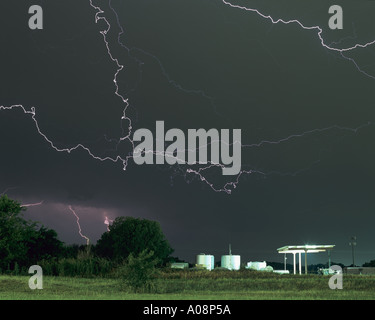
{"x": 369, "y": 264}
{"x": 133, "y": 235}
{"x": 43, "y": 244}
{"x": 22, "y": 243}
{"x": 13, "y": 229}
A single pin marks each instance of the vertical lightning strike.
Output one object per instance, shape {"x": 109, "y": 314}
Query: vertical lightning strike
{"x": 79, "y": 226}
{"x": 119, "y": 69}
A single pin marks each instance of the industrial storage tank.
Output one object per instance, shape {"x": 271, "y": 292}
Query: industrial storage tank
{"x": 256, "y": 265}
{"x": 231, "y": 262}
{"x": 206, "y": 260}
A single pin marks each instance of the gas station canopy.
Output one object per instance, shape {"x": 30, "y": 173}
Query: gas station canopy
{"x": 304, "y": 249}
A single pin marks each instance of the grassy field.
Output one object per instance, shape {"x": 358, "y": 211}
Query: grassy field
{"x": 193, "y": 286}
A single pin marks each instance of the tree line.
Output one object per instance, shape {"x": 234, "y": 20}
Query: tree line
{"x": 24, "y": 243}
{"x": 131, "y": 241}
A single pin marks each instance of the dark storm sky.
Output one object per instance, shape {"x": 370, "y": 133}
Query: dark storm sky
{"x": 195, "y": 64}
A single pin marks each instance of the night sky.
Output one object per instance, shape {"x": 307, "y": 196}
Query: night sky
{"x": 195, "y": 64}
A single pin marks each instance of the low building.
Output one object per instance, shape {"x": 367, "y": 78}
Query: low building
{"x": 359, "y": 270}
{"x": 180, "y": 265}
{"x": 256, "y": 265}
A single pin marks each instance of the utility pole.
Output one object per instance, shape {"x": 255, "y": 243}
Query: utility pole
{"x": 353, "y": 243}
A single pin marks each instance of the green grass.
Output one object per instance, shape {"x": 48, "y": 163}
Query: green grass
{"x": 199, "y": 285}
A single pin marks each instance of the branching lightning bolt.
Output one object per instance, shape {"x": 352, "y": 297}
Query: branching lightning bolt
{"x": 227, "y": 187}
{"x": 124, "y": 118}
{"x": 162, "y": 68}
{"x": 316, "y": 28}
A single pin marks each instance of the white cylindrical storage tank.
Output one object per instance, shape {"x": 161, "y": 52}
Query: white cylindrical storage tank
{"x": 206, "y": 261}
{"x": 231, "y": 262}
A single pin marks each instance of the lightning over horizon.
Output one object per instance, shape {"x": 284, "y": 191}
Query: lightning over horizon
{"x": 32, "y": 204}
{"x": 100, "y": 16}
{"x": 142, "y": 109}
{"x": 79, "y": 226}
